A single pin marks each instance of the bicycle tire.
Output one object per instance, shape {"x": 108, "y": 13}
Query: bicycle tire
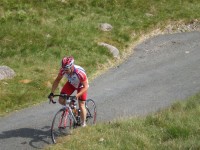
{"x": 62, "y": 125}
{"x": 91, "y": 111}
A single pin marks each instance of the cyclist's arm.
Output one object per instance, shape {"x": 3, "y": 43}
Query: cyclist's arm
{"x": 56, "y": 82}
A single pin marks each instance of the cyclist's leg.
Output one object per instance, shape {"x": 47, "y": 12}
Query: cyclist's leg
{"x": 81, "y": 103}
{"x": 67, "y": 89}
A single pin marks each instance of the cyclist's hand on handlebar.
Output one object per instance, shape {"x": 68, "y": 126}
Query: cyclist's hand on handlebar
{"x": 51, "y": 95}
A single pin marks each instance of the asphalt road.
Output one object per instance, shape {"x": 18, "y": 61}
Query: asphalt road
{"x": 161, "y": 70}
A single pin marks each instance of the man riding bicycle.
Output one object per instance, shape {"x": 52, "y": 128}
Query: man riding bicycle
{"x": 77, "y": 80}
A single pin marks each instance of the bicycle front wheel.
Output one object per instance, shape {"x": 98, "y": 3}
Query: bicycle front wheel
{"x": 61, "y": 125}
{"x": 91, "y": 112}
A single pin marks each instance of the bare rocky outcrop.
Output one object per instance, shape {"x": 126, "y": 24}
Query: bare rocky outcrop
{"x": 6, "y": 72}
{"x": 179, "y": 27}
{"x": 169, "y": 28}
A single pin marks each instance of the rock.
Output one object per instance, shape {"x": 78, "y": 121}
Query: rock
{"x": 105, "y": 27}
{"x": 149, "y": 15}
{"x": 6, "y": 73}
{"x": 111, "y": 48}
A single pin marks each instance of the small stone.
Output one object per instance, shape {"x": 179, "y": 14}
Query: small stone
{"x": 101, "y": 139}
{"x": 149, "y": 15}
{"x": 6, "y": 72}
{"x": 105, "y": 27}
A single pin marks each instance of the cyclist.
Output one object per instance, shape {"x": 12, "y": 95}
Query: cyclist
{"x": 77, "y": 80}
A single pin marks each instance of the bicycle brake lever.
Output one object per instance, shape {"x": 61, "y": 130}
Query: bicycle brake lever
{"x": 51, "y": 101}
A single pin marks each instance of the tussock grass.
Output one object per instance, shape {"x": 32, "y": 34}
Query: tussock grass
{"x": 35, "y": 35}
{"x": 176, "y": 127}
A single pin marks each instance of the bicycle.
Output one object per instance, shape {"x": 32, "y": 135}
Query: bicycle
{"x": 68, "y": 117}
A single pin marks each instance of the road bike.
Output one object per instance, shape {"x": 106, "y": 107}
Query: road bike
{"x": 68, "y": 117}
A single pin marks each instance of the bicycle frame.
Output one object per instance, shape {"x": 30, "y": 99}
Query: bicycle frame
{"x": 71, "y": 114}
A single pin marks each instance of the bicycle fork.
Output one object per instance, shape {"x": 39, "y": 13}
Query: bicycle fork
{"x": 63, "y": 119}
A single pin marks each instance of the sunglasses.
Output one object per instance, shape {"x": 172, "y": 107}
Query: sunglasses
{"x": 66, "y": 69}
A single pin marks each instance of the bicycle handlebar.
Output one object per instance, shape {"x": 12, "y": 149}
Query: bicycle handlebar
{"x": 64, "y": 96}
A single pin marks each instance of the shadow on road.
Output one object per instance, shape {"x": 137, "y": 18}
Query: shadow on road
{"x": 34, "y": 137}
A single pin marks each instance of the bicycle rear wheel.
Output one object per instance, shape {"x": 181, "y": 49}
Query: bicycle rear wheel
{"x": 61, "y": 125}
{"x": 91, "y": 112}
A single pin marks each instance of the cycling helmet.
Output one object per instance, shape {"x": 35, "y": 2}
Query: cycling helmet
{"x": 67, "y": 62}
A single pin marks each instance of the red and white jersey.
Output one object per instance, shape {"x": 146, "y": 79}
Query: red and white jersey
{"x": 77, "y": 77}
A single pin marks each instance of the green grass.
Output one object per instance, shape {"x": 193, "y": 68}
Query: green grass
{"x": 36, "y": 34}
{"x": 176, "y": 127}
